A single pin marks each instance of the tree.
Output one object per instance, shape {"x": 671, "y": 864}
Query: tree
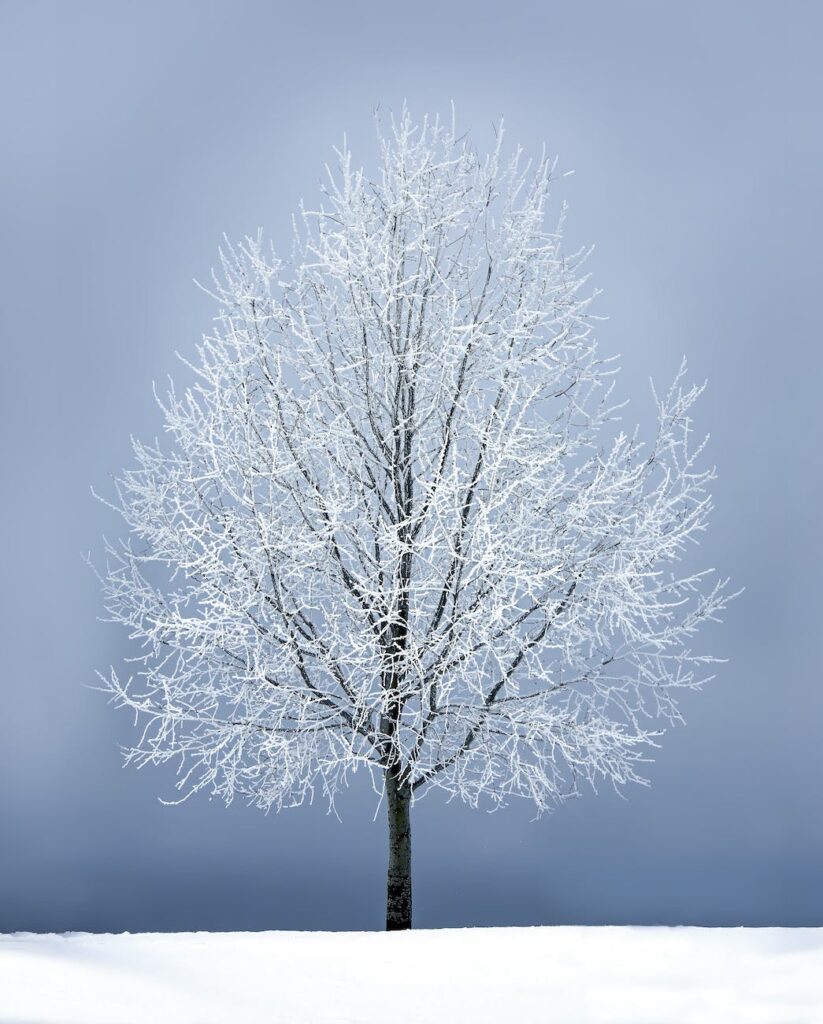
{"x": 396, "y": 526}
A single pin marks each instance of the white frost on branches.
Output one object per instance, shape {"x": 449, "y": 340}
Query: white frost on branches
{"x": 392, "y": 525}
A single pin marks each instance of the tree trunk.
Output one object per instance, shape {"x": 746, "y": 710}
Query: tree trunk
{"x": 399, "y": 882}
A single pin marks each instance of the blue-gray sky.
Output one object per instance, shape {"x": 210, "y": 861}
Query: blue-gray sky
{"x": 135, "y": 135}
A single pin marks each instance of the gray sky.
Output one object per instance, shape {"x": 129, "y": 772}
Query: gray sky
{"x": 137, "y": 134}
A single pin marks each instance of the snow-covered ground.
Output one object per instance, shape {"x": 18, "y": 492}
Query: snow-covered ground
{"x": 562, "y": 975}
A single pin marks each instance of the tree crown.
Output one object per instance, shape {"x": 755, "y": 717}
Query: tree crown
{"x": 394, "y": 524}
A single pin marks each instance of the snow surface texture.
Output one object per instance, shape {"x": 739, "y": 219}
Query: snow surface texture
{"x": 630, "y": 975}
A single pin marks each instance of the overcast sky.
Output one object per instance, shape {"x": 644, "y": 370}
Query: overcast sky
{"x": 135, "y": 135}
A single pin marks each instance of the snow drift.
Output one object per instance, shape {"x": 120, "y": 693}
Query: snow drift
{"x": 564, "y": 975}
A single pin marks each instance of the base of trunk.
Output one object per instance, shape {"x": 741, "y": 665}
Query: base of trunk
{"x": 399, "y": 880}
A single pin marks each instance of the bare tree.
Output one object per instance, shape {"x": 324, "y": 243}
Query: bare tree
{"x": 396, "y": 526}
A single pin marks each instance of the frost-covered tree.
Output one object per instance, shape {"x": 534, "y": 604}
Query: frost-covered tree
{"x": 394, "y": 525}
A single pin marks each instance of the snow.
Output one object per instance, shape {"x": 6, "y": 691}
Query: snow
{"x": 564, "y": 974}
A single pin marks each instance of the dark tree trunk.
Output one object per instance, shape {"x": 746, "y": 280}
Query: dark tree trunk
{"x": 399, "y": 882}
